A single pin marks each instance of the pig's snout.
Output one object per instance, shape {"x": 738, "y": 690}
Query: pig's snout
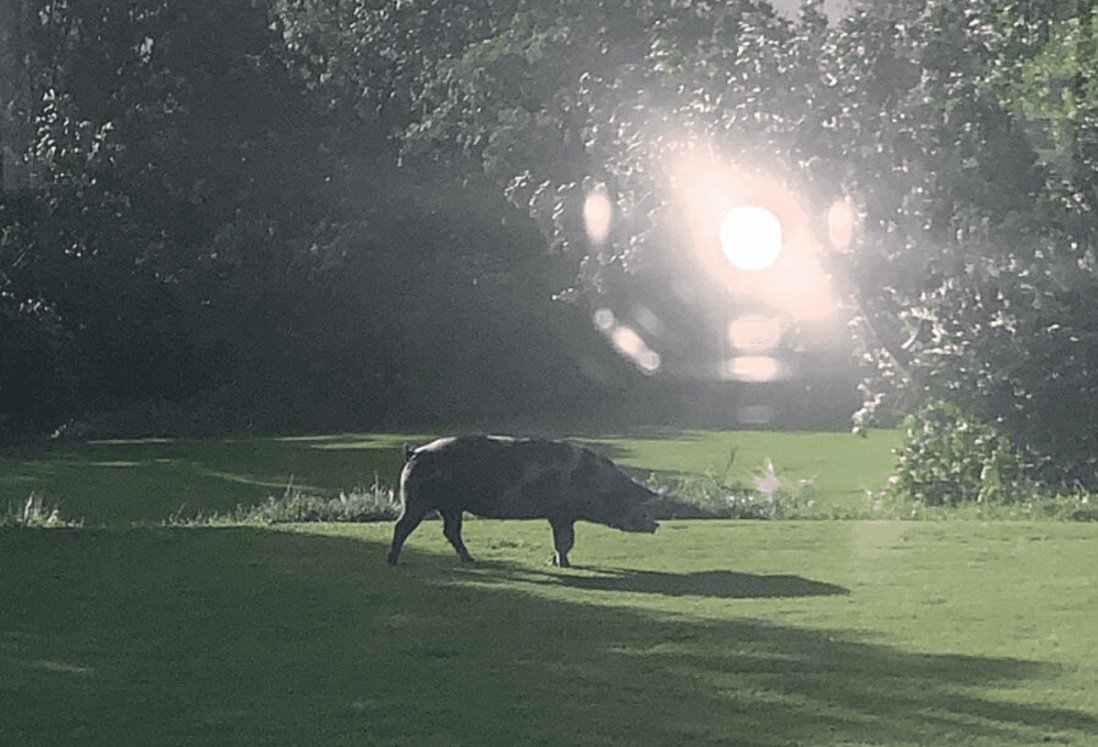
{"x": 642, "y": 523}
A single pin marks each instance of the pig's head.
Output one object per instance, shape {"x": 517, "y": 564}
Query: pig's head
{"x": 638, "y": 511}
{"x": 620, "y": 501}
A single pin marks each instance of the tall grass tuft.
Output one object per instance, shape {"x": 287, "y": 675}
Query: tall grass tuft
{"x": 34, "y": 512}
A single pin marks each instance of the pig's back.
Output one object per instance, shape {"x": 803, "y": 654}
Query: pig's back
{"x": 492, "y": 476}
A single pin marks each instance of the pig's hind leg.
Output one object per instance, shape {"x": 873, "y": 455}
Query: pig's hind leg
{"x": 451, "y": 527}
{"x": 410, "y": 517}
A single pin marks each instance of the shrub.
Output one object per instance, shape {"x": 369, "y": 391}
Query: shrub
{"x": 948, "y": 458}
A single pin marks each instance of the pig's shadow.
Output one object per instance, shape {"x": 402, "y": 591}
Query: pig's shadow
{"x": 724, "y": 584}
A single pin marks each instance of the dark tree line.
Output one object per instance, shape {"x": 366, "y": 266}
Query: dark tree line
{"x": 211, "y": 239}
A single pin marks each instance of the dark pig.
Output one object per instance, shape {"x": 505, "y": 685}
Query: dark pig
{"x": 517, "y": 478}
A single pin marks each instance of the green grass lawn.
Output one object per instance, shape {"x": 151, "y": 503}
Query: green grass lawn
{"x": 118, "y": 482}
{"x": 709, "y": 632}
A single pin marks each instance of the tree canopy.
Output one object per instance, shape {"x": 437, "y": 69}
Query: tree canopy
{"x": 219, "y": 239}
{"x": 962, "y": 134}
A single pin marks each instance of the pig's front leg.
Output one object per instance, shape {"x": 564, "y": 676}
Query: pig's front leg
{"x": 564, "y": 536}
{"x": 451, "y": 527}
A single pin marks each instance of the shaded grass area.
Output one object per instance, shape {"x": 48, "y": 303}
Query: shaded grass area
{"x": 122, "y": 481}
{"x": 767, "y": 634}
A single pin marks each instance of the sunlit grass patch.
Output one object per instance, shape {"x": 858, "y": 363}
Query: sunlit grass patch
{"x": 152, "y": 480}
{"x": 840, "y": 467}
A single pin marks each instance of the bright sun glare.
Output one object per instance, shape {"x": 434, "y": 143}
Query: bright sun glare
{"x": 751, "y": 237}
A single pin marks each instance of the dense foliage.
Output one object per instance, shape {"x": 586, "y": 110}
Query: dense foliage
{"x": 262, "y": 207}
{"x": 984, "y": 237}
{"x": 214, "y": 240}
{"x": 963, "y": 133}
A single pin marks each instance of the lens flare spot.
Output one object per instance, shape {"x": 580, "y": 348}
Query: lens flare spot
{"x": 633, "y": 346}
{"x": 627, "y": 341}
{"x": 649, "y": 361}
{"x": 754, "y": 368}
{"x": 649, "y": 321}
{"x": 751, "y": 237}
{"x": 604, "y": 319}
{"x": 840, "y": 224}
{"x": 597, "y": 215}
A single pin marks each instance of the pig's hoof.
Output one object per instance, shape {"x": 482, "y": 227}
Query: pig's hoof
{"x": 468, "y": 559}
{"x": 559, "y": 561}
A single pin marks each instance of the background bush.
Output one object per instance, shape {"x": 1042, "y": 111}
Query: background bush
{"x": 948, "y": 458}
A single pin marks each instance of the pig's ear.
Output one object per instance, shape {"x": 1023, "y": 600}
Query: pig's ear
{"x": 408, "y": 451}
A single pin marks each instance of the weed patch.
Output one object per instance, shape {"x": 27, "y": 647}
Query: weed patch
{"x": 376, "y": 503}
{"x": 715, "y": 493}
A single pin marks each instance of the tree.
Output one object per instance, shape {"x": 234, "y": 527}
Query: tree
{"x": 985, "y": 248}
{"x": 225, "y": 236}
{"x": 164, "y": 137}
{"x": 976, "y": 253}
